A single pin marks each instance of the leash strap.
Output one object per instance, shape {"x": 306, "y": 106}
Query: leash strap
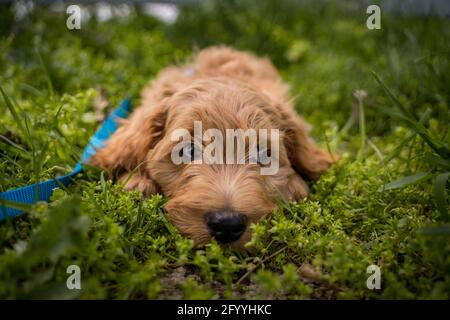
{"x": 42, "y": 191}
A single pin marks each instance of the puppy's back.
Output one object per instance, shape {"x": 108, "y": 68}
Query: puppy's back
{"x": 219, "y": 61}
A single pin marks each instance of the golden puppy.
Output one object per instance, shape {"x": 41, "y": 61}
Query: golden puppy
{"x": 222, "y": 89}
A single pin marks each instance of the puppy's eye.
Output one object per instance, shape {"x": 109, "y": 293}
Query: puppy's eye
{"x": 188, "y": 152}
{"x": 192, "y": 152}
{"x": 264, "y": 156}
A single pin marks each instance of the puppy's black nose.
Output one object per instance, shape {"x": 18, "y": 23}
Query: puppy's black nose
{"x": 226, "y": 226}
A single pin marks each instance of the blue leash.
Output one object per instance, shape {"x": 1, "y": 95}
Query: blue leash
{"x": 43, "y": 190}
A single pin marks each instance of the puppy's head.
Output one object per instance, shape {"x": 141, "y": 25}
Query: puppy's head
{"x": 219, "y": 192}
{"x": 221, "y": 189}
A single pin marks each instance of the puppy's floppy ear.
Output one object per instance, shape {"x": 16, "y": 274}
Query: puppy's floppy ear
{"x": 306, "y": 158}
{"x": 128, "y": 146}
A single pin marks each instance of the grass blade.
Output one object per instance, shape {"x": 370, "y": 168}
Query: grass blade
{"x": 404, "y": 181}
{"x": 391, "y": 96}
{"x": 15, "y": 115}
{"x": 436, "y": 161}
{"x": 411, "y": 121}
{"x": 16, "y": 205}
{"x": 439, "y": 193}
{"x": 23, "y": 153}
{"x": 398, "y": 148}
{"x": 48, "y": 78}
{"x": 435, "y": 231}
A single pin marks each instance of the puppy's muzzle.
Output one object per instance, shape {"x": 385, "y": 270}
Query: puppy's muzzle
{"x": 226, "y": 226}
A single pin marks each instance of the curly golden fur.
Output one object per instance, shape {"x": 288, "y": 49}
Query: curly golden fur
{"x": 225, "y": 89}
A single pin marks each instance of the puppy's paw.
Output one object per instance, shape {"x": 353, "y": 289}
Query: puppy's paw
{"x": 296, "y": 188}
{"x": 317, "y": 162}
{"x": 139, "y": 182}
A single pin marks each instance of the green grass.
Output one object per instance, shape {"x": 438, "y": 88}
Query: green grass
{"x": 385, "y": 203}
